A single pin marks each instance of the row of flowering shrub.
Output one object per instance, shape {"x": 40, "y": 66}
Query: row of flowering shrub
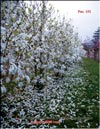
{"x": 36, "y": 44}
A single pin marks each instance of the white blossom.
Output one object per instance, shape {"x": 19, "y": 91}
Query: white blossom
{"x": 17, "y": 49}
{"x": 42, "y": 80}
{"x": 27, "y": 78}
{"x": 7, "y": 79}
{"x": 20, "y": 72}
{"x": 22, "y": 113}
{"x": 39, "y": 49}
{"x": 49, "y": 78}
{"x": 17, "y": 78}
{"x": 51, "y": 65}
{"x": 3, "y": 46}
{"x": 44, "y": 58}
{"x": 3, "y": 30}
{"x": 44, "y": 66}
{"x": 20, "y": 84}
{"x": 3, "y": 89}
{"x": 62, "y": 59}
{"x": 63, "y": 67}
{"x": 61, "y": 71}
{"x": 12, "y": 69}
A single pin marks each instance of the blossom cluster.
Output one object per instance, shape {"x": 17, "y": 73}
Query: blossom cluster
{"x": 36, "y": 46}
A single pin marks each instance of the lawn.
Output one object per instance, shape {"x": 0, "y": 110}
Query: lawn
{"x": 92, "y": 87}
{"x": 92, "y": 67}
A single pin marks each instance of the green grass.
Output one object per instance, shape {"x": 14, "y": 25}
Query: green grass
{"x": 91, "y": 66}
{"x": 92, "y": 85}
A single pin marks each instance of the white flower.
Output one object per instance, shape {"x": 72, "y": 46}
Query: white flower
{"x": 46, "y": 33}
{"x": 7, "y": 80}
{"x": 44, "y": 58}
{"x": 13, "y": 16}
{"x": 61, "y": 120}
{"x": 22, "y": 113}
{"x": 27, "y": 78}
{"x": 3, "y": 30}
{"x": 3, "y": 46}
{"x": 18, "y": 22}
{"x": 12, "y": 69}
{"x": 17, "y": 79}
{"x": 63, "y": 67}
{"x": 39, "y": 49}
{"x": 3, "y": 71}
{"x": 1, "y": 81}
{"x": 22, "y": 35}
{"x": 35, "y": 37}
{"x": 3, "y": 89}
{"x": 51, "y": 65}
{"x": 17, "y": 49}
{"x": 43, "y": 66}
{"x": 42, "y": 80}
{"x": 20, "y": 84}
{"x": 48, "y": 78}
{"x": 37, "y": 60}
{"x": 62, "y": 59}
{"x": 79, "y": 58}
{"x": 56, "y": 70}
{"x": 29, "y": 36}
{"x": 61, "y": 71}
{"x": 27, "y": 69}
{"x": 11, "y": 59}
{"x": 20, "y": 73}
{"x": 35, "y": 80}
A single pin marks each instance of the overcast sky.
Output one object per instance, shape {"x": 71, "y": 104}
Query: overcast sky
{"x": 85, "y": 23}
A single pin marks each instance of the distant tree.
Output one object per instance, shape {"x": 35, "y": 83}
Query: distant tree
{"x": 96, "y": 39}
{"x": 93, "y": 46}
{"x": 87, "y": 46}
{"x": 96, "y": 42}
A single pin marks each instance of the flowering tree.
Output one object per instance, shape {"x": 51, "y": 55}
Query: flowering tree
{"x": 14, "y": 43}
{"x": 35, "y": 45}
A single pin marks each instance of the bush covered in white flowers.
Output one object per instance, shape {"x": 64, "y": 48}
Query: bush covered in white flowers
{"x": 41, "y": 75}
{"x": 36, "y": 46}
